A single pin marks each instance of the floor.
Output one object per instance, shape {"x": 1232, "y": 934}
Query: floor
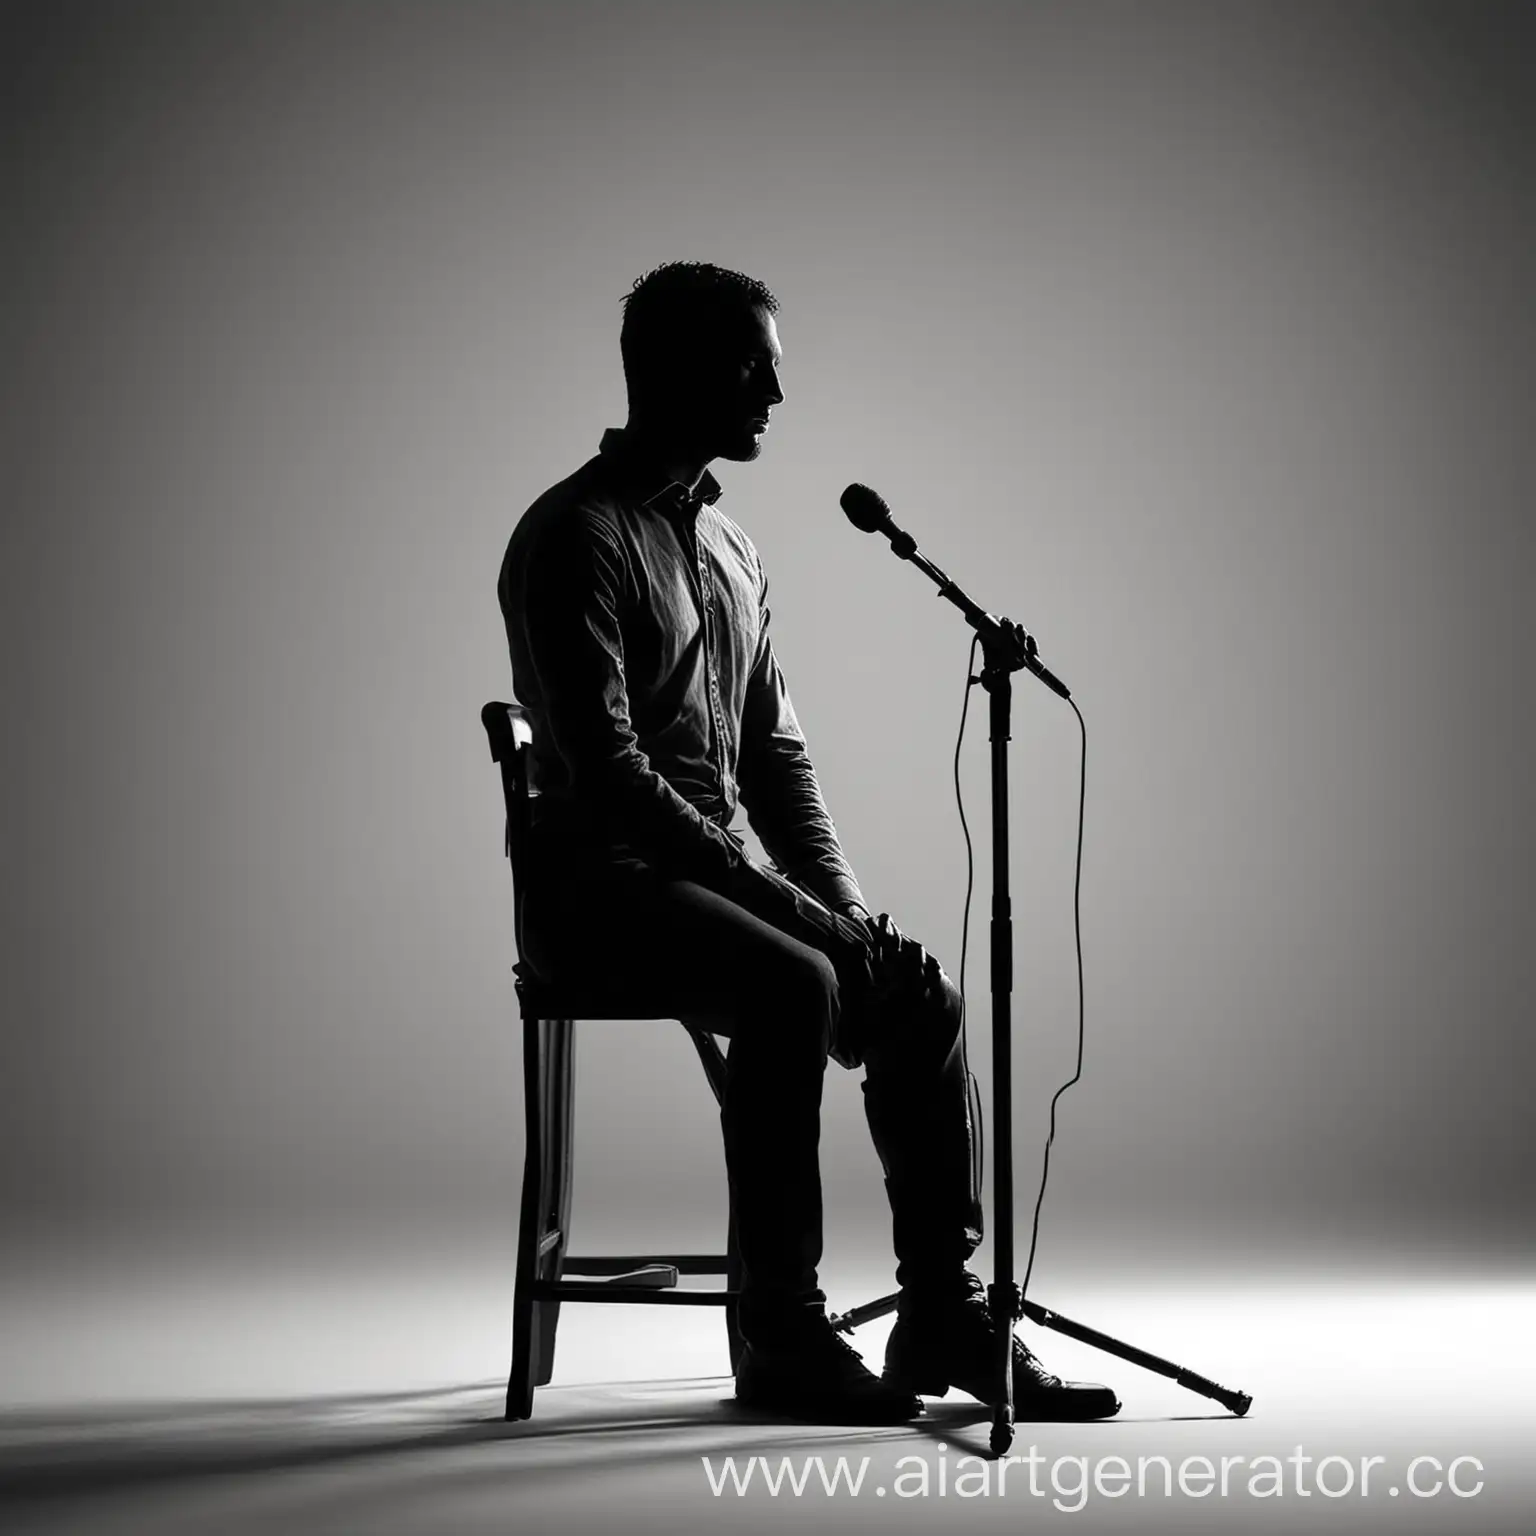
{"x": 320, "y": 1398}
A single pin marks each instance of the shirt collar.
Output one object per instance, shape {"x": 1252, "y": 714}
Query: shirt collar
{"x": 646, "y": 479}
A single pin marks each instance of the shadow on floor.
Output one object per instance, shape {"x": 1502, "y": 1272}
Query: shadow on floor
{"x": 73, "y": 1452}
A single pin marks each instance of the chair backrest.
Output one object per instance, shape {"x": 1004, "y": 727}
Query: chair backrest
{"x": 510, "y": 732}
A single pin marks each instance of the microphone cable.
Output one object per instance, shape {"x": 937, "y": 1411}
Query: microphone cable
{"x": 1077, "y": 926}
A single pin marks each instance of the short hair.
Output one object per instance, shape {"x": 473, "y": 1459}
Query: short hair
{"x": 676, "y": 305}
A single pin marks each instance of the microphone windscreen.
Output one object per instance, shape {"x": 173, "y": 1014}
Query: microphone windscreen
{"x": 866, "y": 509}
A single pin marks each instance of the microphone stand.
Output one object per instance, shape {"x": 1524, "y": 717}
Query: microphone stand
{"x": 1006, "y": 649}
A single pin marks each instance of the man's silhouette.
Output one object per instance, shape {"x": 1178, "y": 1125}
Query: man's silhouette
{"x": 638, "y": 622}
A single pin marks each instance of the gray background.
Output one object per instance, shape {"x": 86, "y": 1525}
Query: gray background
{"x": 1198, "y": 338}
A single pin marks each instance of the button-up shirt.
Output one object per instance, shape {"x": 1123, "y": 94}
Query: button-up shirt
{"x": 637, "y": 621}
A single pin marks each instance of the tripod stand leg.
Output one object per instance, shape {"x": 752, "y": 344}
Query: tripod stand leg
{"x": 1238, "y": 1402}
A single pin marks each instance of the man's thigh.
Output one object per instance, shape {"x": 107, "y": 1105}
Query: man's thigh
{"x": 724, "y": 968}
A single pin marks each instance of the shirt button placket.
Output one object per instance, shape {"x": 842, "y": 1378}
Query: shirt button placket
{"x": 716, "y": 710}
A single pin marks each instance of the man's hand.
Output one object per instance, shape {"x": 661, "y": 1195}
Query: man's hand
{"x": 900, "y": 963}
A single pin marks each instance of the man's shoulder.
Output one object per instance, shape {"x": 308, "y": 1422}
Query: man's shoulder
{"x": 586, "y": 493}
{"x": 583, "y": 503}
{"x": 585, "y": 498}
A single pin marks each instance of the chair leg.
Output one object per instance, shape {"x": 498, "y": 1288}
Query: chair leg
{"x": 733, "y": 1283}
{"x": 559, "y": 1110}
{"x": 544, "y": 1217}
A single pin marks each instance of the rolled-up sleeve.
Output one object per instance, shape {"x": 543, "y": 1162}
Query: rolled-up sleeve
{"x": 779, "y": 789}
{"x": 573, "y": 586}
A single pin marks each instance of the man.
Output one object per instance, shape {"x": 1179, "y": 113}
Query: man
{"x": 638, "y": 624}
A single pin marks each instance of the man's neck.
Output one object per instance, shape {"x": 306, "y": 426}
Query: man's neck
{"x": 684, "y": 465}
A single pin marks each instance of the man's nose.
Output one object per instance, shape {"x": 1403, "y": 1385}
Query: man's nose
{"x": 775, "y": 394}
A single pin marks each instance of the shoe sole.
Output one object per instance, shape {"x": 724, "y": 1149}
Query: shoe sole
{"x": 1059, "y": 1411}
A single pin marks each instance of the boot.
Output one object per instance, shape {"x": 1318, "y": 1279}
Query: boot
{"x": 813, "y": 1373}
{"x": 945, "y": 1337}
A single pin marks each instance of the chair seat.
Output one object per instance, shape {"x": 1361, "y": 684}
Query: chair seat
{"x": 560, "y": 999}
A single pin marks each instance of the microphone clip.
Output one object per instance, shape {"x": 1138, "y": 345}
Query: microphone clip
{"x": 1006, "y": 645}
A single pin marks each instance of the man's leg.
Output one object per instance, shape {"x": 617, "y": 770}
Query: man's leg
{"x": 917, "y": 1099}
{"x": 917, "y": 1102}
{"x": 776, "y": 997}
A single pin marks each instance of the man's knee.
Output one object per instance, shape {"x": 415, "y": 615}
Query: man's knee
{"x": 910, "y": 1032}
{"x": 794, "y": 1004}
{"x": 818, "y": 975}
{"x": 950, "y": 1012}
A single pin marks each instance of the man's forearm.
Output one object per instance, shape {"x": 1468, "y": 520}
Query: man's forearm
{"x": 807, "y": 850}
{"x": 625, "y": 801}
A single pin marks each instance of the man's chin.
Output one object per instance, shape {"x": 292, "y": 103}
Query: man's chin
{"x": 741, "y": 447}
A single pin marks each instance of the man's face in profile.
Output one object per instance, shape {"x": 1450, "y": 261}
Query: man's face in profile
{"x": 729, "y": 385}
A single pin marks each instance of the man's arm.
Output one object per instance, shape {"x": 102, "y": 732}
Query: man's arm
{"x": 572, "y": 590}
{"x": 779, "y": 789}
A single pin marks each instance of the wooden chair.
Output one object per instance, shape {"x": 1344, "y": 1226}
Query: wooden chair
{"x": 547, "y": 1274}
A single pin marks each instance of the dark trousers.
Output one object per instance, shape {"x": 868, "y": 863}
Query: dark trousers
{"x": 759, "y": 970}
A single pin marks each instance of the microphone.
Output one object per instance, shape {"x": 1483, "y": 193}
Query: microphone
{"x": 866, "y": 509}
{"x": 868, "y": 512}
